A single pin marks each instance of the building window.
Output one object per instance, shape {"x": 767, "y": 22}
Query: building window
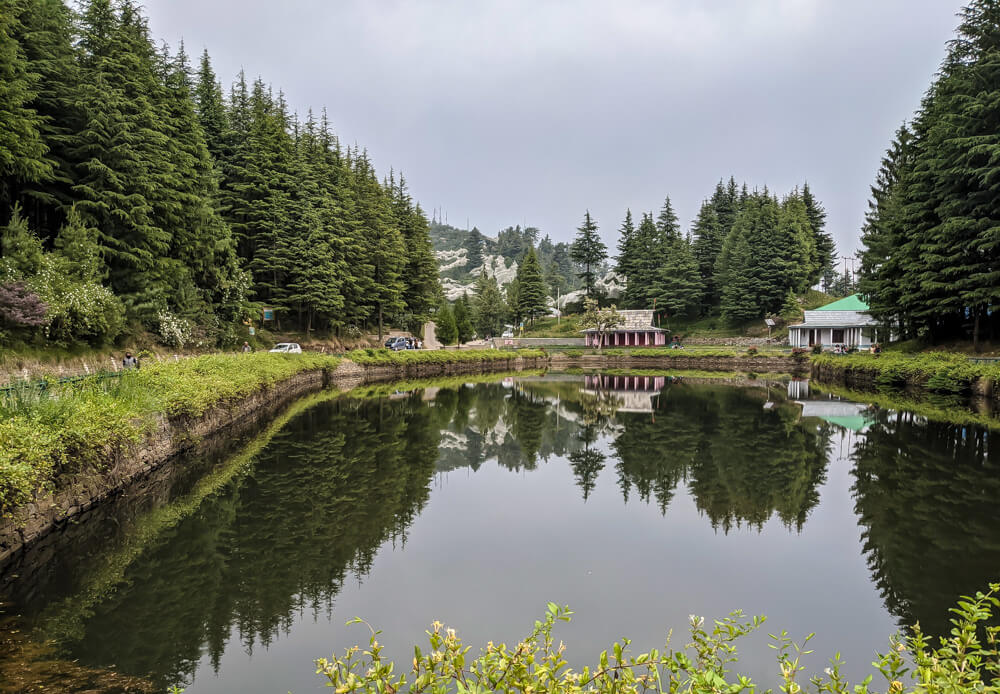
{"x": 838, "y": 336}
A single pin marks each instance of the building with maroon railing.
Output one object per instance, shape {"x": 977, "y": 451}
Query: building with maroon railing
{"x": 636, "y": 330}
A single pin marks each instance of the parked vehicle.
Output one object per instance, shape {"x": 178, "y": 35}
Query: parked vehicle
{"x": 287, "y": 348}
{"x": 397, "y": 344}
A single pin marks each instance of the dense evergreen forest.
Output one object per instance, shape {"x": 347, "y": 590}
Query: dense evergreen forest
{"x": 137, "y": 194}
{"x": 746, "y": 256}
{"x": 930, "y": 266}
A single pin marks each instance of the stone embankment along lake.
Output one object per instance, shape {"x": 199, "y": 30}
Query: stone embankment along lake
{"x": 79, "y": 492}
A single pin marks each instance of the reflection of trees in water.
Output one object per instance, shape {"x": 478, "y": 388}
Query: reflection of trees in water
{"x": 760, "y": 462}
{"x": 588, "y": 461}
{"x": 742, "y": 463}
{"x": 334, "y": 485}
{"x": 347, "y": 475}
{"x": 927, "y": 498}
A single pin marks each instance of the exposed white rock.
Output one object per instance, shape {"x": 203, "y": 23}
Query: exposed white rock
{"x": 612, "y": 284}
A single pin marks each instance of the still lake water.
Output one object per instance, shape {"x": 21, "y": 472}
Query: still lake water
{"x": 636, "y": 501}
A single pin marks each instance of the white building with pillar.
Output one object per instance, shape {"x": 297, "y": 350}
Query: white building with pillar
{"x": 844, "y": 322}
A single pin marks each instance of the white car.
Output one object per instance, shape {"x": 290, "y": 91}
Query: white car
{"x": 287, "y": 348}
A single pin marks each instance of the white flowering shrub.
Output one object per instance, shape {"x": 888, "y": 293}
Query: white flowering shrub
{"x": 76, "y": 310}
{"x": 174, "y": 331}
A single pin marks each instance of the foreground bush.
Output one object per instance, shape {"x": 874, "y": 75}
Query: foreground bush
{"x": 965, "y": 661}
{"x": 65, "y": 428}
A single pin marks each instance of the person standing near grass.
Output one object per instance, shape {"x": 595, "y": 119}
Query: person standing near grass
{"x": 247, "y": 348}
{"x": 130, "y": 362}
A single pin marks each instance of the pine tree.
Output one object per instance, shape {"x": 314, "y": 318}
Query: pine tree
{"x": 488, "y": 306}
{"x": 212, "y": 110}
{"x": 20, "y": 249}
{"x": 473, "y": 246}
{"x": 824, "y": 255}
{"x": 421, "y": 288}
{"x": 708, "y": 238}
{"x": 588, "y": 251}
{"x": 667, "y": 224}
{"x": 727, "y": 201}
{"x": 627, "y": 264}
{"x": 795, "y": 246}
{"x": 678, "y": 289}
{"x": 47, "y": 38}
{"x": 77, "y": 245}
{"x": 22, "y": 148}
{"x": 532, "y": 300}
{"x": 445, "y": 328}
{"x": 933, "y": 265}
{"x": 650, "y": 253}
{"x": 882, "y": 237}
{"x": 463, "y": 322}
{"x": 512, "y": 302}
{"x": 738, "y": 300}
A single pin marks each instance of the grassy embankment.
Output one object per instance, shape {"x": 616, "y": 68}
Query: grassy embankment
{"x": 67, "y": 427}
{"x": 938, "y": 372}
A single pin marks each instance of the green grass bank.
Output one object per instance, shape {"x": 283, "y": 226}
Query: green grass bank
{"x": 63, "y": 428}
{"x": 944, "y": 373}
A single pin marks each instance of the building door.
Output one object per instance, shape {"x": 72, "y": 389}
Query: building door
{"x": 812, "y": 337}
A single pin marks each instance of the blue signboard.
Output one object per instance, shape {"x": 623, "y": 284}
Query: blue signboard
{"x": 268, "y": 314}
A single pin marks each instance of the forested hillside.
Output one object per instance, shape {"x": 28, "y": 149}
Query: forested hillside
{"x": 747, "y": 255}
{"x": 136, "y": 193}
{"x": 930, "y": 267}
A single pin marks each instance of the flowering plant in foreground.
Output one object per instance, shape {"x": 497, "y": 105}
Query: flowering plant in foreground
{"x": 966, "y": 660}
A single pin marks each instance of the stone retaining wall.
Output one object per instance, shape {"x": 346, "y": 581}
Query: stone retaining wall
{"x": 759, "y": 364}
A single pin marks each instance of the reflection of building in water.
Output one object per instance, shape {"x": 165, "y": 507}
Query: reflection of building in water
{"x": 631, "y": 393}
{"x": 798, "y": 388}
{"x": 845, "y": 414}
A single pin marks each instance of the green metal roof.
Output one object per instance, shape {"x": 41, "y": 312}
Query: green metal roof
{"x": 854, "y": 423}
{"x": 848, "y": 303}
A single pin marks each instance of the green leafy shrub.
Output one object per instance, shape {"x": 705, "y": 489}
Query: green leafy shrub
{"x": 964, "y": 661}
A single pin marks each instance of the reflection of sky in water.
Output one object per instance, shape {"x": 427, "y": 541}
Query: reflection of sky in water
{"x": 490, "y": 547}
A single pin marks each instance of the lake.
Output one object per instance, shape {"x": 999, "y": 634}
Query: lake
{"x": 637, "y": 500}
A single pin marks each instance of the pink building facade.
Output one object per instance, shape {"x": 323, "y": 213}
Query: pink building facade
{"x": 636, "y": 330}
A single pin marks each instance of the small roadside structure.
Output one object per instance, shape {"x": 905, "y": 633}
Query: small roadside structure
{"x": 844, "y": 323}
{"x": 634, "y": 329}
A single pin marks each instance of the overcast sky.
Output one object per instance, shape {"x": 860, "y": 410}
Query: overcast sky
{"x": 504, "y": 112}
